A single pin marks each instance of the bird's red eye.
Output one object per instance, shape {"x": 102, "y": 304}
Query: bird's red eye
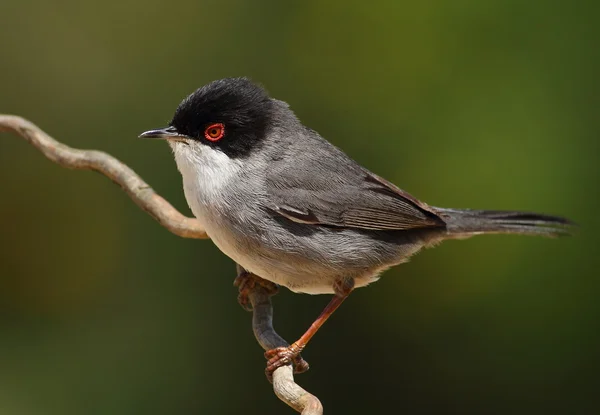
{"x": 214, "y": 132}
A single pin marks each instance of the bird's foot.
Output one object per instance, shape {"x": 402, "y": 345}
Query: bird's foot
{"x": 246, "y": 281}
{"x": 282, "y": 356}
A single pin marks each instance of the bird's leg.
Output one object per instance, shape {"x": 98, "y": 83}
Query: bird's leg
{"x": 245, "y": 281}
{"x": 284, "y": 355}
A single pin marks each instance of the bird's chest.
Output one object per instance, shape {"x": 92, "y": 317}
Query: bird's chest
{"x": 209, "y": 177}
{"x": 213, "y": 207}
{"x": 216, "y": 189}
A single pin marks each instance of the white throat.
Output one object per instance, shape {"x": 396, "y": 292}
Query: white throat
{"x": 206, "y": 172}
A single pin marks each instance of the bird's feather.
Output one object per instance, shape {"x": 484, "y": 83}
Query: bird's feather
{"x": 329, "y": 189}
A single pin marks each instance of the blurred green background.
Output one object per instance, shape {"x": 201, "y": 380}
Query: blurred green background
{"x": 480, "y": 104}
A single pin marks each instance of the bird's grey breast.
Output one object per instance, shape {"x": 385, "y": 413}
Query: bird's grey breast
{"x": 226, "y": 196}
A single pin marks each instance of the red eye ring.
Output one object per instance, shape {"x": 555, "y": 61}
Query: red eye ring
{"x": 214, "y": 132}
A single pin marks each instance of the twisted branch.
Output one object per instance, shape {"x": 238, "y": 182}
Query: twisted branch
{"x": 283, "y": 378}
{"x": 169, "y": 217}
{"x": 137, "y": 189}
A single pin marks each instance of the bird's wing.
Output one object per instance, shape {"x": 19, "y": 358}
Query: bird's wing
{"x": 323, "y": 191}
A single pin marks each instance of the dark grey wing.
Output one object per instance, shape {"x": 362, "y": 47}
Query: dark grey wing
{"x": 327, "y": 188}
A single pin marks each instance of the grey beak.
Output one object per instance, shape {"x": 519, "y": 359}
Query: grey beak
{"x": 167, "y": 133}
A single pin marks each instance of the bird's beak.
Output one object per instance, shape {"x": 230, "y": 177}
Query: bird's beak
{"x": 167, "y": 133}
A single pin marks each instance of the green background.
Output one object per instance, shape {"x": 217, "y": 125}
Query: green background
{"x": 469, "y": 103}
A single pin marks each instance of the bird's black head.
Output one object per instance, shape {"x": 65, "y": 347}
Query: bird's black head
{"x": 231, "y": 114}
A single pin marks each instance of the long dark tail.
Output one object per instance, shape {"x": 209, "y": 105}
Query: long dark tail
{"x": 464, "y": 223}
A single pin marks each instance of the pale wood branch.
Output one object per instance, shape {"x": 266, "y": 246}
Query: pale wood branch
{"x": 137, "y": 189}
{"x": 283, "y": 378}
{"x": 142, "y": 194}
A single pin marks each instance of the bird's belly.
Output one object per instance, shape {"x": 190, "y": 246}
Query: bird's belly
{"x": 299, "y": 274}
{"x": 297, "y": 262}
{"x": 235, "y": 232}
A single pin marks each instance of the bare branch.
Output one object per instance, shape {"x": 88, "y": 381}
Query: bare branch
{"x": 169, "y": 217}
{"x": 284, "y": 385}
{"x": 137, "y": 189}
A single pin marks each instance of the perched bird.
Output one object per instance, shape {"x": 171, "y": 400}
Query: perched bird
{"x": 289, "y": 207}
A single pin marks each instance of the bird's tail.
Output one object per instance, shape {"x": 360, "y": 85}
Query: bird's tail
{"x": 464, "y": 223}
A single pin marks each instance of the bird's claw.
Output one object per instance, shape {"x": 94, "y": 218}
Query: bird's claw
{"x": 246, "y": 282}
{"x": 282, "y": 356}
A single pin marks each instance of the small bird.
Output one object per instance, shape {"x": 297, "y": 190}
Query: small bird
{"x": 291, "y": 208}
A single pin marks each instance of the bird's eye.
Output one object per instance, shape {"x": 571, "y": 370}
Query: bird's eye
{"x": 214, "y": 132}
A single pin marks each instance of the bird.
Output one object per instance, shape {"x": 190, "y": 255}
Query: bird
{"x": 293, "y": 210}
